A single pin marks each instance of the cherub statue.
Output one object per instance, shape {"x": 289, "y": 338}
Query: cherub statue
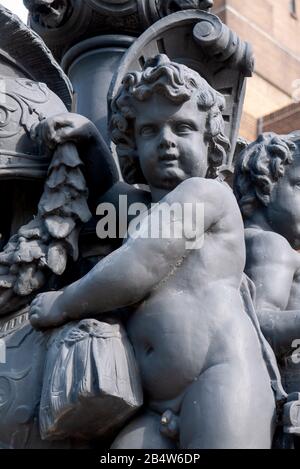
{"x": 202, "y": 367}
{"x": 267, "y": 187}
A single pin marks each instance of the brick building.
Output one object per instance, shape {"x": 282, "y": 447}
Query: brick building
{"x": 273, "y": 95}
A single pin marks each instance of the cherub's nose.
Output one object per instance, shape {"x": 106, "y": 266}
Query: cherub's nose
{"x": 166, "y": 139}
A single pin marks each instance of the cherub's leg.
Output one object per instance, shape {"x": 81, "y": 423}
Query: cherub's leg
{"x": 224, "y": 410}
{"x": 143, "y": 433}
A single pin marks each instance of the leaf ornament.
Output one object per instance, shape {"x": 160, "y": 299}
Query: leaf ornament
{"x": 43, "y": 245}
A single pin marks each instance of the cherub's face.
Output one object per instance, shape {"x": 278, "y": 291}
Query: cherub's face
{"x": 283, "y": 211}
{"x": 170, "y": 141}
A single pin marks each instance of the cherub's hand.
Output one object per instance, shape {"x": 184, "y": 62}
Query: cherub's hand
{"x": 46, "y": 310}
{"x": 63, "y": 128}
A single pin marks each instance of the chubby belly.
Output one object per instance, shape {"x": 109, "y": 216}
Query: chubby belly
{"x": 177, "y": 335}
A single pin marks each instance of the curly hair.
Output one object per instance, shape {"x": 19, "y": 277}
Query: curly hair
{"x": 177, "y": 83}
{"x": 260, "y": 166}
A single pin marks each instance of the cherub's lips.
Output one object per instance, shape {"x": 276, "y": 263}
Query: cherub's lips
{"x": 168, "y": 157}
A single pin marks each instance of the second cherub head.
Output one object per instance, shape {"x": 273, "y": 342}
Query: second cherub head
{"x": 267, "y": 184}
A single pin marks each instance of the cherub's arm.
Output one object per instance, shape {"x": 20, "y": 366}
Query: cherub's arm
{"x": 271, "y": 266}
{"x": 130, "y": 273}
{"x": 100, "y": 169}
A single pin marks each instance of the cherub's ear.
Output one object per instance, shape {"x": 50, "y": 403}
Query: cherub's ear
{"x": 263, "y": 189}
{"x": 131, "y": 169}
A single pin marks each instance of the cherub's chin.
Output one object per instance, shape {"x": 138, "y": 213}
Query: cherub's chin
{"x": 172, "y": 174}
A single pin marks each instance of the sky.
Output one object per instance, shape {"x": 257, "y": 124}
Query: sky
{"x": 17, "y": 7}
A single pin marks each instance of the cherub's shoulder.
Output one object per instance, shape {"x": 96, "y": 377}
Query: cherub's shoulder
{"x": 263, "y": 237}
{"x": 208, "y": 188}
{"x": 205, "y": 184}
{"x": 268, "y": 244}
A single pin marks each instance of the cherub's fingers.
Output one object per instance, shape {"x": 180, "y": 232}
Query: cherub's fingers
{"x": 34, "y": 303}
{"x": 35, "y": 321}
{"x": 34, "y": 309}
{"x": 50, "y": 129}
{"x": 69, "y": 123}
{"x": 64, "y": 135}
{"x": 49, "y": 136}
{"x": 51, "y": 133}
{"x": 37, "y": 299}
{"x": 36, "y": 132}
{"x": 62, "y": 121}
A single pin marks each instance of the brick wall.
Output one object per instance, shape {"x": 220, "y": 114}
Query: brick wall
{"x": 248, "y": 128}
{"x": 284, "y": 121}
{"x": 275, "y": 36}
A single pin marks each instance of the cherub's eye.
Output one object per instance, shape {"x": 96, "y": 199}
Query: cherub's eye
{"x": 148, "y": 130}
{"x": 297, "y": 185}
{"x": 184, "y": 128}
